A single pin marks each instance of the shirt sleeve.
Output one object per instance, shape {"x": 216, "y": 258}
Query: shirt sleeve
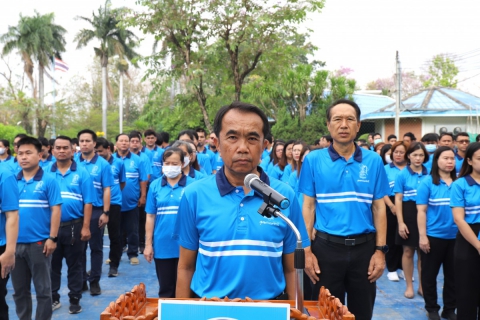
{"x": 147, "y": 164}
{"x": 88, "y": 193}
{"x": 399, "y": 182}
{"x": 143, "y": 174}
{"x": 457, "y": 194}
{"x": 9, "y": 192}
{"x": 107, "y": 176}
{"x": 423, "y": 191}
{"x": 185, "y": 228}
{"x": 306, "y": 182}
{"x": 151, "y": 205}
{"x": 53, "y": 193}
{"x": 286, "y": 173}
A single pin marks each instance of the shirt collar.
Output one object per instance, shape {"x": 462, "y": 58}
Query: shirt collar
{"x": 129, "y": 154}
{"x": 191, "y": 173}
{"x": 224, "y": 185}
{"x": 111, "y": 159}
{"x": 424, "y": 170}
{"x": 73, "y": 166}
{"x": 182, "y": 182}
{"x": 470, "y": 180}
{"x": 8, "y": 158}
{"x": 38, "y": 176}
{"x": 93, "y": 160}
{"x": 357, "y": 155}
{"x": 49, "y": 158}
{"x": 459, "y": 157}
{"x": 392, "y": 165}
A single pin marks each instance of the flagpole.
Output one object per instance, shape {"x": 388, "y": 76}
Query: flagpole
{"x": 54, "y": 134}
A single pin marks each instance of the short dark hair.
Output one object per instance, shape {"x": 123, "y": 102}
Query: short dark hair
{"x": 428, "y": 137}
{"x": 392, "y": 136}
{"x": 171, "y": 151}
{"x": 44, "y": 141}
{"x": 51, "y": 142}
{"x": 64, "y": 138}
{"x": 165, "y": 136}
{"x": 477, "y": 139}
{"x": 466, "y": 167}
{"x": 30, "y": 141}
{"x": 102, "y": 142}
{"x": 122, "y": 134}
{"x": 414, "y": 146}
{"x": 384, "y": 150}
{"x": 20, "y": 135}
{"x": 462, "y": 134}
{"x": 149, "y": 132}
{"x": 200, "y": 129}
{"x": 328, "y": 138}
{"x": 269, "y": 138}
{"x": 242, "y": 107}
{"x": 192, "y": 134}
{"x": 159, "y": 141}
{"x": 317, "y": 142}
{"x": 377, "y": 134}
{"x": 135, "y": 134}
{"x": 434, "y": 171}
{"x": 111, "y": 146}
{"x": 91, "y": 132}
{"x": 446, "y": 134}
{"x": 410, "y": 135}
{"x": 74, "y": 141}
{"x": 344, "y": 101}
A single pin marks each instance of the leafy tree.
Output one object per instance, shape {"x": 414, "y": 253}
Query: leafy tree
{"x": 442, "y": 72}
{"x": 411, "y": 84}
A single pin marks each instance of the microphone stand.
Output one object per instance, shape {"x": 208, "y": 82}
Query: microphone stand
{"x": 268, "y": 210}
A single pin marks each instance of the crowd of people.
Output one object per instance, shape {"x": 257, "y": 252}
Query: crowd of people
{"x": 182, "y": 204}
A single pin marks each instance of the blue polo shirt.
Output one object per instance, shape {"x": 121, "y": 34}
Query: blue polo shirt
{"x": 163, "y": 201}
{"x": 440, "y": 222}
{"x": 135, "y": 173}
{"x": 50, "y": 159}
{"x": 218, "y": 161}
{"x": 344, "y": 190}
{"x": 458, "y": 162}
{"x": 9, "y": 199}
{"x": 212, "y": 158}
{"x": 156, "y": 159}
{"x": 12, "y": 164}
{"x": 266, "y": 163}
{"x": 146, "y": 162}
{"x": 75, "y": 188}
{"x": 275, "y": 172}
{"x": 293, "y": 182}
{"x": 286, "y": 173}
{"x": 195, "y": 174}
{"x": 407, "y": 183}
{"x": 465, "y": 193}
{"x": 101, "y": 173}
{"x": 118, "y": 171}
{"x": 205, "y": 163}
{"x": 231, "y": 237}
{"x": 37, "y": 195}
{"x": 392, "y": 172}
{"x": 265, "y": 154}
{"x": 429, "y": 163}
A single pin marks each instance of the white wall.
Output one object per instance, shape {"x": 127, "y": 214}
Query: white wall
{"x": 434, "y": 124}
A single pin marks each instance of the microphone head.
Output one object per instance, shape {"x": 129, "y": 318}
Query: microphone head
{"x": 249, "y": 178}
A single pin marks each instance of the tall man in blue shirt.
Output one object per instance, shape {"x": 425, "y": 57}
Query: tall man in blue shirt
{"x": 8, "y": 232}
{"x": 39, "y": 214}
{"x": 78, "y": 194}
{"x": 102, "y": 177}
{"x": 343, "y": 187}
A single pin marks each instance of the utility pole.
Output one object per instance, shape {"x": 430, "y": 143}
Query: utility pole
{"x": 399, "y": 97}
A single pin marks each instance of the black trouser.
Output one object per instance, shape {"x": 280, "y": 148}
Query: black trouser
{"x": 130, "y": 225}
{"x": 167, "y": 276}
{"x": 467, "y": 277}
{"x": 393, "y": 257}
{"x": 441, "y": 252}
{"x": 344, "y": 271}
{"x": 96, "y": 248}
{"x": 70, "y": 247}
{"x": 114, "y": 234}
{"x": 142, "y": 219}
{"x": 3, "y": 291}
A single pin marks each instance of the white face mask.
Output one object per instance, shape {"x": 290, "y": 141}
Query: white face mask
{"x": 2, "y": 151}
{"x": 172, "y": 171}
{"x": 186, "y": 161}
{"x": 388, "y": 159}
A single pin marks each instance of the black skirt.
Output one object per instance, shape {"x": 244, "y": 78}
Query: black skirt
{"x": 410, "y": 219}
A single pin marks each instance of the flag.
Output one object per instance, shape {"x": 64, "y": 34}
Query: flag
{"x": 60, "y": 65}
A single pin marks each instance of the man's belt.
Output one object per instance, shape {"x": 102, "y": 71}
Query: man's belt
{"x": 347, "y": 241}
{"x": 70, "y": 222}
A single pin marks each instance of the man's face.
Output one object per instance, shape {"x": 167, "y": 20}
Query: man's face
{"x": 462, "y": 143}
{"x": 370, "y": 139}
{"x": 87, "y": 145}
{"x": 135, "y": 144}
{"x": 241, "y": 142}
{"x": 15, "y": 141}
{"x": 343, "y": 125}
{"x": 211, "y": 141}
{"x": 376, "y": 137}
{"x": 102, "y": 152}
{"x": 185, "y": 137}
{"x": 323, "y": 142}
{"x": 123, "y": 143}
{"x": 392, "y": 140}
{"x": 45, "y": 152}
{"x": 407, "y": 140}
{"x": 446, "y": 141}
{"x": 62, "y": 150}
{"x": 28, "y": 157}
{"x": 150, "y": 140}
{"x": 201, "y": 139}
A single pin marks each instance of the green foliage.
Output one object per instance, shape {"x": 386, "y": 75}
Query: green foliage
{"x": 442, "y": 72}
{"x": 8, "y": 132}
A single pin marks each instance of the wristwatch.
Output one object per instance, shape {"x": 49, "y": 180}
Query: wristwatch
{"x": 107, "y": 213}
{"x": 54, "y": 239}
{"x": 384, "y": 248}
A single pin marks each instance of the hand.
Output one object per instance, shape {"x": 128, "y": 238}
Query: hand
{"x": 403, "y": 230}
{"x": 376, "y": 267}
{"x": 314, "y": 232}
{"x": 393, "y": 210}
{"x": 103, "y": 220}
{"x": 424, "y": 244}
{"x": 85, "y": 233}
{"x": 311, "y": 265}
{"x": 148, "y": 253}
{"x": 49, "y": 247}
{"x": 141, "y": 201}
{"x": 7, "y": 260}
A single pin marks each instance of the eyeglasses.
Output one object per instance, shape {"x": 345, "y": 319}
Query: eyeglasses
{"x": 463, "y": 141}
{"x": 400, "y": 153}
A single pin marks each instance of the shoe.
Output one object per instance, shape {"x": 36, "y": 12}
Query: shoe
{"x": 85, "y": 286}
{"x": 393, "y": 276}
{"x": 401, "y": 275}
{"x": 75, "y": 306}
{"x": 113, "y": 272}
{"x": 134, "y": 261}
{"x": 125, "y": 249}
{"x": 433, "y": 315}
{"x": 107, "y": 261}
{"x": 95, "y": 288}
{"x": 56, "y": 305}
{"x": 449, "y": 316}
{"x": 141, "y": 249}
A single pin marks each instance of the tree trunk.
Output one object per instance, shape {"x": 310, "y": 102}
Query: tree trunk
{"x": 202, "y": 102}
{"x": 120, "y": 103}
{"x": 104, "y": 101}
{"x": 302, "y": 110}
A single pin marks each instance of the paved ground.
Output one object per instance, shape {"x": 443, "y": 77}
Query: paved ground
{"x": 390, "y": 303}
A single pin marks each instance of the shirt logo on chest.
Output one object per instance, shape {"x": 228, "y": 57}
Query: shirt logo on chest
{"x": 38, "y": 187}
{"x": 363, "y": 174}
{"x": 75, "y": 180}
{"x": 94, "y": 170}
{"x": 132, "y": 164}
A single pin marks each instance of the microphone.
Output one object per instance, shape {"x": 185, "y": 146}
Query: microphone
{"x": 252, "y": 181}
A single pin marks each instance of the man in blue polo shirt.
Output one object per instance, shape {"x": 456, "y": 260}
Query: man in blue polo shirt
{"x": 221, "y": 235}
{"x": 462, "y": 140}
{"x": 105, "y": 149}
{"x": 39, "y": 214}
{"x": 102, "y": 177}
{"x": 8, "y": 232}
{"x": 133, "y": 195}
{"x": 154, "y": 153}
{"x": 77, "y": 196}
{"x": 343, "y": 188}
{"x": 203, "y": 149}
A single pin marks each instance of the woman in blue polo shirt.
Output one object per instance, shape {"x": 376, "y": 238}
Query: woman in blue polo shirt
{"x": 465, "y": 203}
{"x": 300, "y": 150}
{"x": 405, "y": 190}
{"x": 283, "y": 168}
{"x": 190, "y": 168}
{"x": 393, "y": 257}
{"x": 437, "y": 233}
{"x": 268, "y": 164}
{"x": 163, "y": 199}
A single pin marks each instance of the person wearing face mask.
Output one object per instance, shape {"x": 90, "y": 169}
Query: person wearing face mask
{"x": 190, "y": 167}
{"x": 6, "y": 158}
{"x": 430, "y": 140}
{"x": 163, "y": 200}
{"x": 385, "y": 154}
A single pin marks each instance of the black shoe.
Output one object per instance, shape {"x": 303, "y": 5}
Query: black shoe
{"x": 75, "y": 306}
{"x": 449, "y": 315}
{"x": 433, "y": 315}
{"x": 141, "y": 249}
{"x": 85, "y": 286}
{"x": 95, "y": 288}
{"x": 113, "y": 272}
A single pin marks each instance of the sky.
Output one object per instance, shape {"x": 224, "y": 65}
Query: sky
{"x": 362, "y": 35}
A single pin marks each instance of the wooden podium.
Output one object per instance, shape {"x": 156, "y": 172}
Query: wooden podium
{"x": 135, "y": 305}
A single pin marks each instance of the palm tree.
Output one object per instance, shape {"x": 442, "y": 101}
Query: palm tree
{"x": 36, "y": 38}
{"x": 114, "y": 41}
{"x": 122, "y": 67}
